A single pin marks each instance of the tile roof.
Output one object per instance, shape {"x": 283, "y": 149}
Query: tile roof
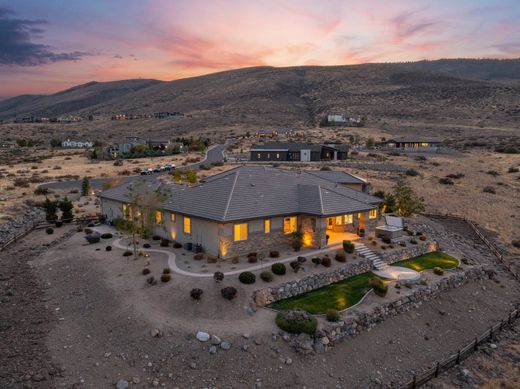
{"x": 257, "y": 192}
{"x": 338, "y": 176}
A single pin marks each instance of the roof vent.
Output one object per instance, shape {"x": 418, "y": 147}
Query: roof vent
{"x": 252, "y": 184}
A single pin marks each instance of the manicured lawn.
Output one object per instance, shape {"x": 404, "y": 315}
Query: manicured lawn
{"x": 429, "y": 261}
{"x": 337, "y": 296}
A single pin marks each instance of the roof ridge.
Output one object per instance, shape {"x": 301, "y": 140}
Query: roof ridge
{"x": 342, "y": 194}
{"x": 231, "y": 195}
{"x": 321, "y": 200}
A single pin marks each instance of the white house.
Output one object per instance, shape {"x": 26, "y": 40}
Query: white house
{"x": 77, "y": 144}
{"x": 336, "y": 118}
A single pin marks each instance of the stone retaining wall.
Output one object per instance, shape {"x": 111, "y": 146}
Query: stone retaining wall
{"x": 14, "y": 227}
{"x": 266, "y": 296}
{"x": 409, "y": 252}
{"x": 357, "y": 322}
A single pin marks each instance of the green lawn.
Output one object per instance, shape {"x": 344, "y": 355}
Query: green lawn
{"x": 429, "y": 261}
{"x": 340, "y": 295}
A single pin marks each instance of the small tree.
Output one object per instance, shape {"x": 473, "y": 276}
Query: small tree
{"x": 50, "y": 207}
{"x": 85, "y": 186}
{"x": 406, "y": 200}
{"x": 55, "y": 142}
{"x": 370, "y": 143}
{"x": 67, "y": 209}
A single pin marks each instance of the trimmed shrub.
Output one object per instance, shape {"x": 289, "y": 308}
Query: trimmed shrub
{"x": 212, "y": 259}
{"x": 332, "y": 315}
{"x": 413, "y": 241}
{"x": 380, "y": 288}
{"x": 218, "y": 276}
{"x": 127, "y": 253}
{"x": 386, "y": 240}
{"x": 439, "y": 271}
{"x": 92, "y": 238}
{"x": 198, "y": 256}
{"x": 146, "y": 245}
{"x": 156, "y": 237}
{"x": 228, "y": 292}
{"x": 278, "y": 268}
{"x": 326, "y": 261}
{"x": 252, "y": 258}
{"x": 165, "y": 243}
{"x": 145, "y": 271}
{"x": 340, "y": 257}
{"x": 108, "y": 248}
{"x": 274, "y": 254}
{"x": 58, "y": 224}
{"x": 106, "y": 235}
{"x": 374, "y": 243}
{"x": 196, "y": 293}
{"x": 247, "y": 277}
{"x": 295, "y": 265}
{"x": 166, "y": 277}
{"x": 316, "y": 261}
{"x": 166, "y": 270}
{"x": 266, "y": 276}
{"x": 296, "y": 321}
{"x": 177, "y": 245}
{"x": 348, "y": 246}
{"x": 49, "y": 230}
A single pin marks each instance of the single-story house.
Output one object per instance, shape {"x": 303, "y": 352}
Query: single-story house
{"x": 275, "y": 132}
{"x": 253, "y": 209}
{"x": 300, "y": 152}
{"x": 413, "y": 144}
{"x": 6, "y": 144}
{"x": 77, "y": 144}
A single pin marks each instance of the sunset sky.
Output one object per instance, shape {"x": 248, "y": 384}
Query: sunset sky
{"x": 49, "y": 45}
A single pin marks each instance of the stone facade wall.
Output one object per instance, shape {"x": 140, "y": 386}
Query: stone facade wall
{"x": 409, "y": 252}
{"x": 266, "y": 296}
{"x": 256, "y": 242}
{"x": 357, "y": 322}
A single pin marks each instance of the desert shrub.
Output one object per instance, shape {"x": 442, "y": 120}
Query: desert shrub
{"x": 151, "y": 280}
{"x": 348, "y": 246}
{"x": 493, "y": 173}
{"x": 326, "y": 261}
{"x": 380, "y": 288}
{"x": 316, "y": 261}
{"x": 106, "y": 235}
{"x": 455, "y": 175}
{"x": 146, "y": 245}
{"x": 296, "y": 321}
{"x": 516, "y": 243}
{"x": 383, "y": 247}
{"x": 374, "y": 243}
{"x": 228, "y": 292}
{"x": 58, "y": 224}
{"x": 40, "y": 191}
{"x": 325, "y": 168}
{"x": 332, "y": 315}
{"x": 49, "y": 230}
{"x": 402, "y": 244}
{"x": 446, "y": 181}
{"x": 118, "y": 162}
{"x": 166, "y": 277}
{"x": 413, "y": 241}
{"x": 177, "y": 245}
{"x": 212, "y": 259}
{"x": 266, "y": 276}
{"x": 412, "y": 172}
{"x": 279, "y": 269}
{"x": 127, "y": 253}
{"x": 21, "y": 182}
{"x": 145, "y": 271}
{"x": 489, "y": 189}
{"x": 196, "y": 293}
{"x": 422, "y": 237}
{"x": 386, "y": 240}
{"x": 156, "y": 237}
{"x": 340, "y": 257}
{"x": 513, "y": 170}
{"x": 274, "y": 254}
{"x": 247, "y": 277}
{"x": 166, "y": 270}
{"x": 198, "y": 256}
{"x": 218, "y": 276}
{"x": 108, "y": 248}
{"x": 92, "y": 238}
{"x": 165, "y": 243}
{"x": 438, "y": 271}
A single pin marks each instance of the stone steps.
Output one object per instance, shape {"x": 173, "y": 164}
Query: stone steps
{"x": 364, "y": 251}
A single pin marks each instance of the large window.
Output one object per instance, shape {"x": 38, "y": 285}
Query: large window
{"x": 338, "y": 220}
{"x": 127, "y": 211}
{"x": 372, "y": 214}
{"x": 158, "y": 217}
{"x": 289, "y": 224}
{"x": 172, "y": 217}
{"x": 240, "y": 232}
{"x": 187, "y": 225}
{"x": 348, "y": 219}
{"x": 267, "y": 226}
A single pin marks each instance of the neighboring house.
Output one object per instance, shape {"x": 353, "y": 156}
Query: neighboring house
{"x": 275, "y": 132}
{"x": 341, "y": 119}
{"x": 77, "y": 144}
{"x": 253, "y": 209}
{"x": 115, "y": 149}
{"x": 413, "y": 144}
{"x": 6, "y": 144}
{"x": 301, "y": 152}
{"x": 336, "y": 118}
{"x": 343, "y": 178}
{"x": 24, "y": 119}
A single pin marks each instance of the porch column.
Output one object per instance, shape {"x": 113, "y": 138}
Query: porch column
{"x": 321, "y": 232}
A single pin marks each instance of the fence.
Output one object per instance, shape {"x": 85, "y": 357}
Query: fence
{"x": 462, "y": 353}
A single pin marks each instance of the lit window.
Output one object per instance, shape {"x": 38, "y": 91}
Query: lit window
{"x": 240, "y": 232}
{"x": 158, "y": 217}
{"x": 277, "y": 156}
{"x": 338, "y": 220}
{"x": 172, "y": 217}
{"x": 289, "y": 224}
{"x": 258, "y": 155}
{"x": 267, "y": 226}
{"x": 372, "y": 214}
{"x": 126, "y": 211}
{"x": 348, "y": 219}
{"x": 268, "y": 155}
{"x": 187, "y": 225}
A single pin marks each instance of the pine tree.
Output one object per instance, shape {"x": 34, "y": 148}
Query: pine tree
{"x": 67, "y": 209}
{"x": 85, "y": 187}
{"x": 50, "y": 208}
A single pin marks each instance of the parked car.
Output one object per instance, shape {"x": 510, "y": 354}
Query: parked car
{"x": 146, "y": 171}
{"x": 169, "y": 167}
{"x": 157, "y": 169}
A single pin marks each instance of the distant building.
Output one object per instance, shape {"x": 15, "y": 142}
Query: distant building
{"x": 340, "y": 119}
{"x": 300, "y": 152}
{"x": 6, "y": 144}
{"x": 24, "y": 119}
{"x": 274, "y": 133}
{"x": 335, "y": 118}
{"x": 413, "y": 144}
{"x": 77, "y": 144}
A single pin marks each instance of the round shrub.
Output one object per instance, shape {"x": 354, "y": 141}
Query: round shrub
{"x": 166, "y": 270}
{"x": 228, "y": 292}
{"x": 252, "y": 258}
{"x": 379, "y": 286}
{"x": 438, "y": 271}
{"x": 198, "y": 256}
{"x": 278, "y": 268}
{"x": 316, "y": 261}
{"x": 106, "y": 235}
{"x": 146, "y": 245}
{"x": 177, "y": 245}
{"x": 340, "y": 257}
{"x": 58, "y": 224}
{"x": 274, "y": 254}
{"x": 127, "y": 253}
{"x": 92, "y": 238}
{"x": 165, "y": 277}
{"x": 326, "y": 261}
{"x": 266, "y": 276}
{"x": 196, "y": 294}
{"x": 145, "y": 271}
{"x": 296, "y": 321}
{"x": 386, "y": 240}
{"x": 348, "y": 246}
{"x": 156, "y": 237}
{"x": 218, "y": 276}
{"x": 108, "y": 248}
{"x": 332, "y": 315}
{"x": 49, "y": 230}
{"x": 247, "y": 277}
{"x": 165, "y": 243}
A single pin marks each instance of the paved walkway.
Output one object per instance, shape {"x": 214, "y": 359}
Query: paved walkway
{"x": 172, "y": 263}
